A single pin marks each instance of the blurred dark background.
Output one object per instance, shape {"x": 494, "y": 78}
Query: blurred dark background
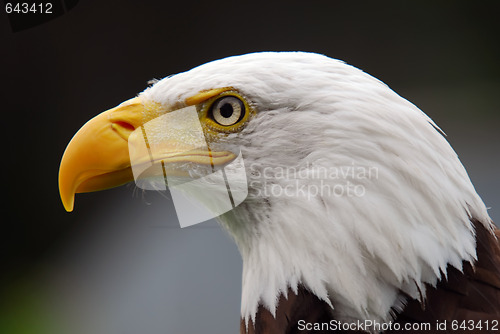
{"x": 118, "y": 263}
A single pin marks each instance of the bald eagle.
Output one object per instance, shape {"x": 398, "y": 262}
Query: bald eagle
{"x": 358, "y": 213}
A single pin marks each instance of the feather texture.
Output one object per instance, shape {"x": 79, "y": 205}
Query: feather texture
{"x": 463, "y": 299}
{"x": 363, "y": 254}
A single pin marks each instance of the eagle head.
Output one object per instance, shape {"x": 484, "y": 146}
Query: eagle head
{"x": 353, "y": 192}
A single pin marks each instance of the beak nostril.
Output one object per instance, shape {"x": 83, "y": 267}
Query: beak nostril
{"x": 124, "y": 129}
{"x": 125, "y": 125}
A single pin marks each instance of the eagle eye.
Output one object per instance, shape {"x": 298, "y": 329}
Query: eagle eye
{"x": 227, "y": 110}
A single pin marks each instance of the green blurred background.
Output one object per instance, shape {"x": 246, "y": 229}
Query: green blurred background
{"x": 119, "y": 263}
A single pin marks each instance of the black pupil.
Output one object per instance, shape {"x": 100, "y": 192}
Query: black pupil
{"x": 226, "y": 110}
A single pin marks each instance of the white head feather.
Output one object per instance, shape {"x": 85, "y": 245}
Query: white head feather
{"x": 408, "y": 221}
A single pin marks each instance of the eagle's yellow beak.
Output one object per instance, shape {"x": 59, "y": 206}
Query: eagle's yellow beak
{"x": 97, "y": 157}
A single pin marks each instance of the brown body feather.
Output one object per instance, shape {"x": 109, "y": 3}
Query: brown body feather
{"x": 459, "y": 304}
